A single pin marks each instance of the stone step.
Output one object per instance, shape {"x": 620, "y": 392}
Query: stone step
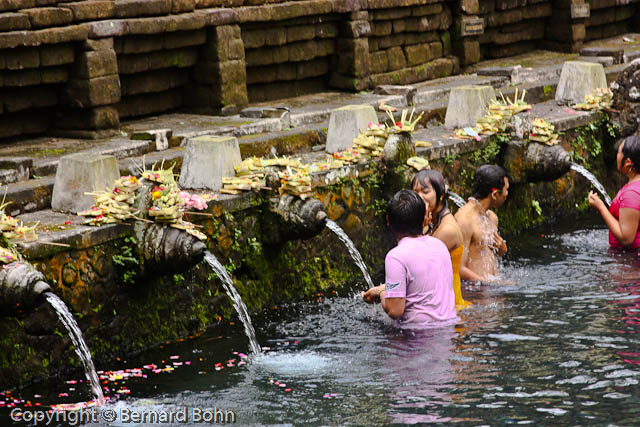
{"x": 14, "y": 169}
{"x": 616, "y": 54}
{"x": 606, "y": 61}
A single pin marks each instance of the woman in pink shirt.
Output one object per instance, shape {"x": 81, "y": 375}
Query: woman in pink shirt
{"x": 623, "y": 215}
{"x": 418, "y": 289}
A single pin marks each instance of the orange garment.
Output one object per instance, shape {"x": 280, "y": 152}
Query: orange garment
{"x": 456, "y": 262}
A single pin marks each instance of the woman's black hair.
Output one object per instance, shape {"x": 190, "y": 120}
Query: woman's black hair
{"x": 631, "y": 150}
{"x": 437, "y": 182}
{"x": 406, "y": 213}
{"x": 488, "y": 178}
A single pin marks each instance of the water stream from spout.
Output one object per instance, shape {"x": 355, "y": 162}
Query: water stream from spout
{"x": 593, "y": 180}
{"x": 352, "y": 250}
{"x": 80, "y": 345}
{"x": 459, "y": 201}
{"x": 238, "y": 304}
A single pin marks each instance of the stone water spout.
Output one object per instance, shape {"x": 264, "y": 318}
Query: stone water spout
{"x": 292, "y": 218}
{"x": 166, "y": 248}
{"x": 533, "y": 162}
{"x": 161, "y": 247}
{"x": 21, "y": 285}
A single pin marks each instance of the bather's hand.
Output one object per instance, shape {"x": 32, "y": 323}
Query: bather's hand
{"x": 498, "y": 244}
{"x": 595, "y": 202}
{"x": 372, "y": 296}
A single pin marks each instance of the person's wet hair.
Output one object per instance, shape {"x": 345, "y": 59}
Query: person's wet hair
{"x": 437, "y": 182}
{"x": 631, "y": 150}
{"x": 488, "y": 178}
{"x": 406, "y": 213}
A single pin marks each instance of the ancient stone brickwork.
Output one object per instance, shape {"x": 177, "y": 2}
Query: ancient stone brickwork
{"x": 79, "y": 67}
{"x": 610, "y": 18}
{"x": 290, "y": 57}
{"x": 410, "y": 44}
{"x": 511, "y": 27}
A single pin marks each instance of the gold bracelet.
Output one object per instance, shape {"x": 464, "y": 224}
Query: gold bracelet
{"x": 381, "y": 291}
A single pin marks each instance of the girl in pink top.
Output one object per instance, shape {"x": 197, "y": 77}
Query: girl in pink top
{"x": 623, "y": 216}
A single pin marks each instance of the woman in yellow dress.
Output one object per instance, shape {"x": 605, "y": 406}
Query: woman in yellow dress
{"x": 431, "y": 187}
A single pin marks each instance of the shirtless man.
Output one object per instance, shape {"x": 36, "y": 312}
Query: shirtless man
{"x": 479, "y": 224}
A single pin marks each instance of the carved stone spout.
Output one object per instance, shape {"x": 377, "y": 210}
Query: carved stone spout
{"x": 164, "y": 248}
{"x": 291, "y": 218}
{"x": 533, "y": 162}
{"x": 21, "y": 285}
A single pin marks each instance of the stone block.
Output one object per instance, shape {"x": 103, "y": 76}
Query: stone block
{"x": 399, "y": 26}
{"x": 136, "y": 8}
{"x": 140, "y": 44}
{"x": 509, "y": 4}
{"x": 184, "y": 38}
{"x": 396, "y": 58}
{"x": 207, "y": 159}
{"x": 275, "y": 36}
{"x": 253, "y": 38}
{"x": 466, "y": 105}
{"x": 298, "y": 33}
{"x": 301, "y": 51}
{"x": 18, "y": 59}
{"x": 269, "y": 73}
{"x": 616, "y": 53}
{"x": 153, "y": 81}
{"x": 89, "y": 118}
{"x": 61, "y": 35}
{"x": 353, "y": 29}
{"x": 500, "y": 18}
{"x": 110, "y": 28}
{"x": 326, "y": 30}
{"x": 44, "y": 17}
{"x": 202, "y": 4}
{"x": 578, "y": 79}
{"x": 316, "y": 68}
{"x": 445, "y": 39}
{"x": 391, "y": 14}
{"x": 417, "y": 38}
{"x": 353, "y": 57}
{"x": 378, "y": 62}
{"x": 182, "y": 6}
{"x": 28, "y": 77}
{"x": 99, "y": 44}
{"x": 150, "y": 103}
{"x": 57, "y": 54}
{"x": 53, "y": 75}
{"x": 81, "y": 173}
{"x": 82, "y": 93}
{"x": 14, "y": 21}
{"x": 417, "y": 54}
{"x": 566, "y": 33}
{"x": 391, "y": 41}
{"x": 468, "y": 50}
{"x": 96, "y": 64}
{"x": 90, "y": 10}
{"x": 346, "y": 123}
{"x": 382, "y": 28}
{"x": 469, "y": 7}
{"x": 428, "y": 9}
{"x": 16, "y": 4}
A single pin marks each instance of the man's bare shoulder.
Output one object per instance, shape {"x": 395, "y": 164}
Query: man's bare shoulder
{"x": 493, "y": 217}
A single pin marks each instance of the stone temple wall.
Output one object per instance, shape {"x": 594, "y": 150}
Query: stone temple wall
{"x": 76, "y": 68}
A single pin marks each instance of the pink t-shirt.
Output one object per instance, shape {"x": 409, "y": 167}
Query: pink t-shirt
{"x": 419, "y": 270}
{"x": 627, "y": 197}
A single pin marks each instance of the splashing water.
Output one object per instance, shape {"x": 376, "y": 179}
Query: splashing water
{"x": 238, "y": 304}
{"x": 459, "y": 201}
{"x": 80, "y": 345}
{"x": 593, "y": 180}
{"x": 352, "y": 250}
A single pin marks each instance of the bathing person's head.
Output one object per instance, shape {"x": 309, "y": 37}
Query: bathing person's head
{"x": 630, "y": 150}
{"x": 491, "y": 181}
{"x": 405, "y": 214}
{"x": 430, "y": 185}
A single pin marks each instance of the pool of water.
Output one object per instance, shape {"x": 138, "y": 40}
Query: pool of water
{"x": 556, "y": 343}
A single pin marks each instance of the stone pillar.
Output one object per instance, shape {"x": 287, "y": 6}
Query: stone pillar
{"x": 92, "y": 92}
{"x": 465, "y": 37}
{"x": 565, "y": 30}
{"x": 220, "y": 76}
{"x": 351, "y": 62}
